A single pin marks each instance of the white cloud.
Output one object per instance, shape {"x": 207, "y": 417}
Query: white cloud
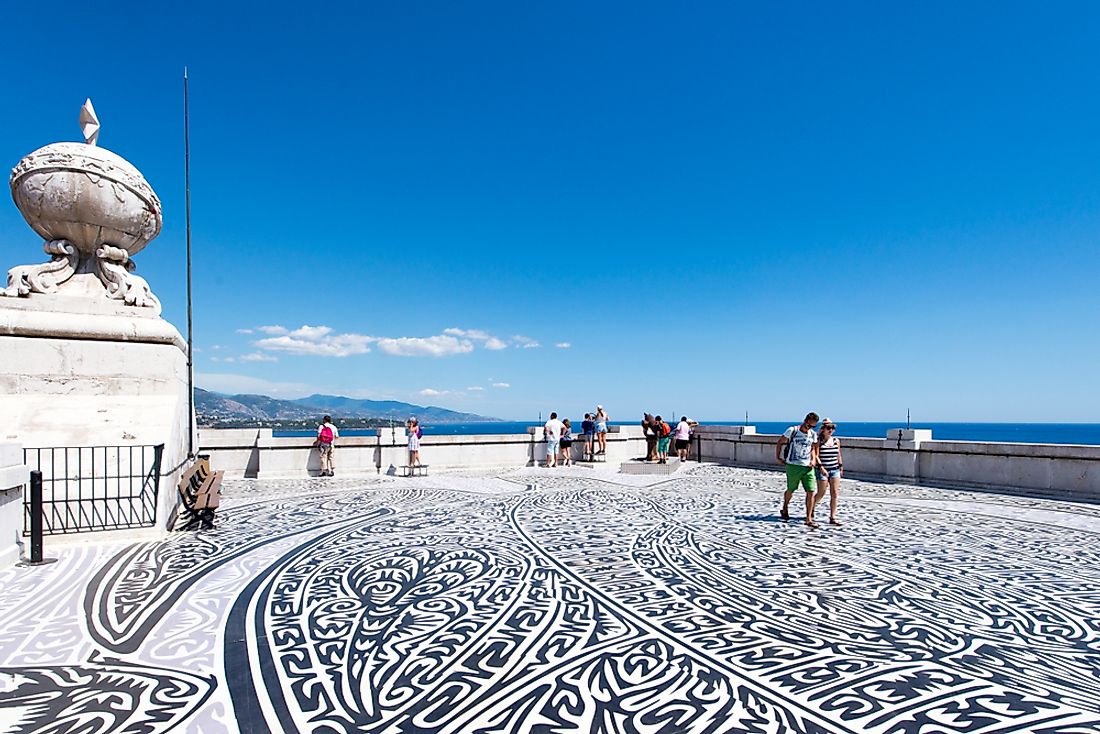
{"x": 476, "y": 389}
{"x": 244, "y": 331}
{"x": 311, "y": 332}
{"x": 222, "y": 359}
{"x": 430, "y": 393}
{"x": 563, "y": 345}
{"x": 216, "y": 347}
{"x": 321, "y": 341}
{"x": 430, "y": 346}
{"x": 236, "y": 384}
{"x": 477, "y": 334}
{"x": 524, "y": 341}
{"x": 258, "y": 357}
{"x": 318, "y": 341}
{"x": 501, "y": 385}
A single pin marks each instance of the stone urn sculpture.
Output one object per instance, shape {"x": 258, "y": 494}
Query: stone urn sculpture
{"x": 94, "y": 210}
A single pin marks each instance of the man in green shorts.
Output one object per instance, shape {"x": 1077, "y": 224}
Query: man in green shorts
{"x": 797, "y": 450}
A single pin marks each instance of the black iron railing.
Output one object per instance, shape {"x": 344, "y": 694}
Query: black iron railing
{"x": 89, "y": 488}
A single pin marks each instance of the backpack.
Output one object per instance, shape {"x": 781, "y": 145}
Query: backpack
{"x": 665, "y": 429}
{"x": 325, "y": 436}
{"x": 790, "y": 443}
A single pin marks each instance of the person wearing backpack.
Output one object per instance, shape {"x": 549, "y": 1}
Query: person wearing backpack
{"x": 326, "y": 437}
{"x": 664, "y": 438}
{"x": 796, "y": 450}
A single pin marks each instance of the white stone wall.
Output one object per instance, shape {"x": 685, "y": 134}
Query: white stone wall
{"x": 13, "y": 477}
{"x": 57, "y": 392}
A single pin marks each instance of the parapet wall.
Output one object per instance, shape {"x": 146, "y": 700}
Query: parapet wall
{"x": 255, "y": 452}
{"x": 906, "y": 456}
{"x": 912, "y": 457}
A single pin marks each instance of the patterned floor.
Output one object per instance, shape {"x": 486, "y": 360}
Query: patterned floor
{"x": 571, "y": 600}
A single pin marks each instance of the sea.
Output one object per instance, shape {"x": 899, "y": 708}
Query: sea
{"x": 1059, "y": 433}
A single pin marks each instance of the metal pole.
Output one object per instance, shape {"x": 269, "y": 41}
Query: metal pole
{"x": 190, "y": 333}
{"x": 36, "y": 516}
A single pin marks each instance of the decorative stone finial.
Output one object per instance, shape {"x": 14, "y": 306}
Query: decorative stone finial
{"x": 93, "y": 209}
{"x": 89, "y": 123}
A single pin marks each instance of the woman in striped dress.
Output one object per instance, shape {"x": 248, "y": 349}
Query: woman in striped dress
{"x": 830, "y": 467}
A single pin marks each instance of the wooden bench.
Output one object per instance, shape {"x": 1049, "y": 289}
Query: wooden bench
{"x": 200, "y": 494}
{"x": 420, "y": 470}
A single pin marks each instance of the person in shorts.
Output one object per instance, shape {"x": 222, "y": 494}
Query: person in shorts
{"x": 566, "y": 443}
{"x": 552, "y": 432}
{"x": 588, "y": 430}
{"x": 796, "y": 449}
{"x": 602, "y": 420}
{"x": 830, "y": 468}
{"x": 683, "y": 437}
{"x": 664, "y": 433}
{"x": 326, "y": 439}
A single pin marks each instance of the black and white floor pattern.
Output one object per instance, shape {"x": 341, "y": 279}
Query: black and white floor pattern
{"x": 588, "y": 602}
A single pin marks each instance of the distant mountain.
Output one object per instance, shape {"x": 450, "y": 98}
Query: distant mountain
{"x": 213, "y": 408}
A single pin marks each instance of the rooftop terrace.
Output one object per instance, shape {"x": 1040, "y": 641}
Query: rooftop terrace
{"x": 564, "y": 600}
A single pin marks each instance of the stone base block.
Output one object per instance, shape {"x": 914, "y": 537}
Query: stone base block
{"x": 650, "y": 467}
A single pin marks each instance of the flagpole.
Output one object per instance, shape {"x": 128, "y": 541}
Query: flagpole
{"x": 190, "y": 334}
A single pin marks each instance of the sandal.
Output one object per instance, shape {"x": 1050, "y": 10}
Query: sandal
{"x": 784, "y": 514}
{"x": 812, "y": 524}
{"x": 834, "y": 521}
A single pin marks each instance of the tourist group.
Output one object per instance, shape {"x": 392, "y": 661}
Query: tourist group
{"x": 659, "y": 436}
{"x": 559, "y": 437}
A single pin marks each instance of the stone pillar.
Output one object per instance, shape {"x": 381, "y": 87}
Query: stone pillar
{"x": 902, "y": 447}
{"x": 13, "y": 477}
{"x": 85, "y": 358}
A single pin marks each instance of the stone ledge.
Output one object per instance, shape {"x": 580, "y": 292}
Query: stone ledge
{"x": 17, "y": 320}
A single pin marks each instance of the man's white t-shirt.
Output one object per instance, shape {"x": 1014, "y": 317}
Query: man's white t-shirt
{"x": 683, "y": 431}
{"x": 802, "y": 445}
{"x": 553, "y": 429}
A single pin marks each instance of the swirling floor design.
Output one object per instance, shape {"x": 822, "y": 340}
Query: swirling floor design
{"x": 560, "y": 601}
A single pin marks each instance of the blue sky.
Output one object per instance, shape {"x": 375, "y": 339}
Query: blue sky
{"x": 507, "y": 208}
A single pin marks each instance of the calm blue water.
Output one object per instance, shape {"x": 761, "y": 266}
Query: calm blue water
{"x": 1065, "y": 433}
